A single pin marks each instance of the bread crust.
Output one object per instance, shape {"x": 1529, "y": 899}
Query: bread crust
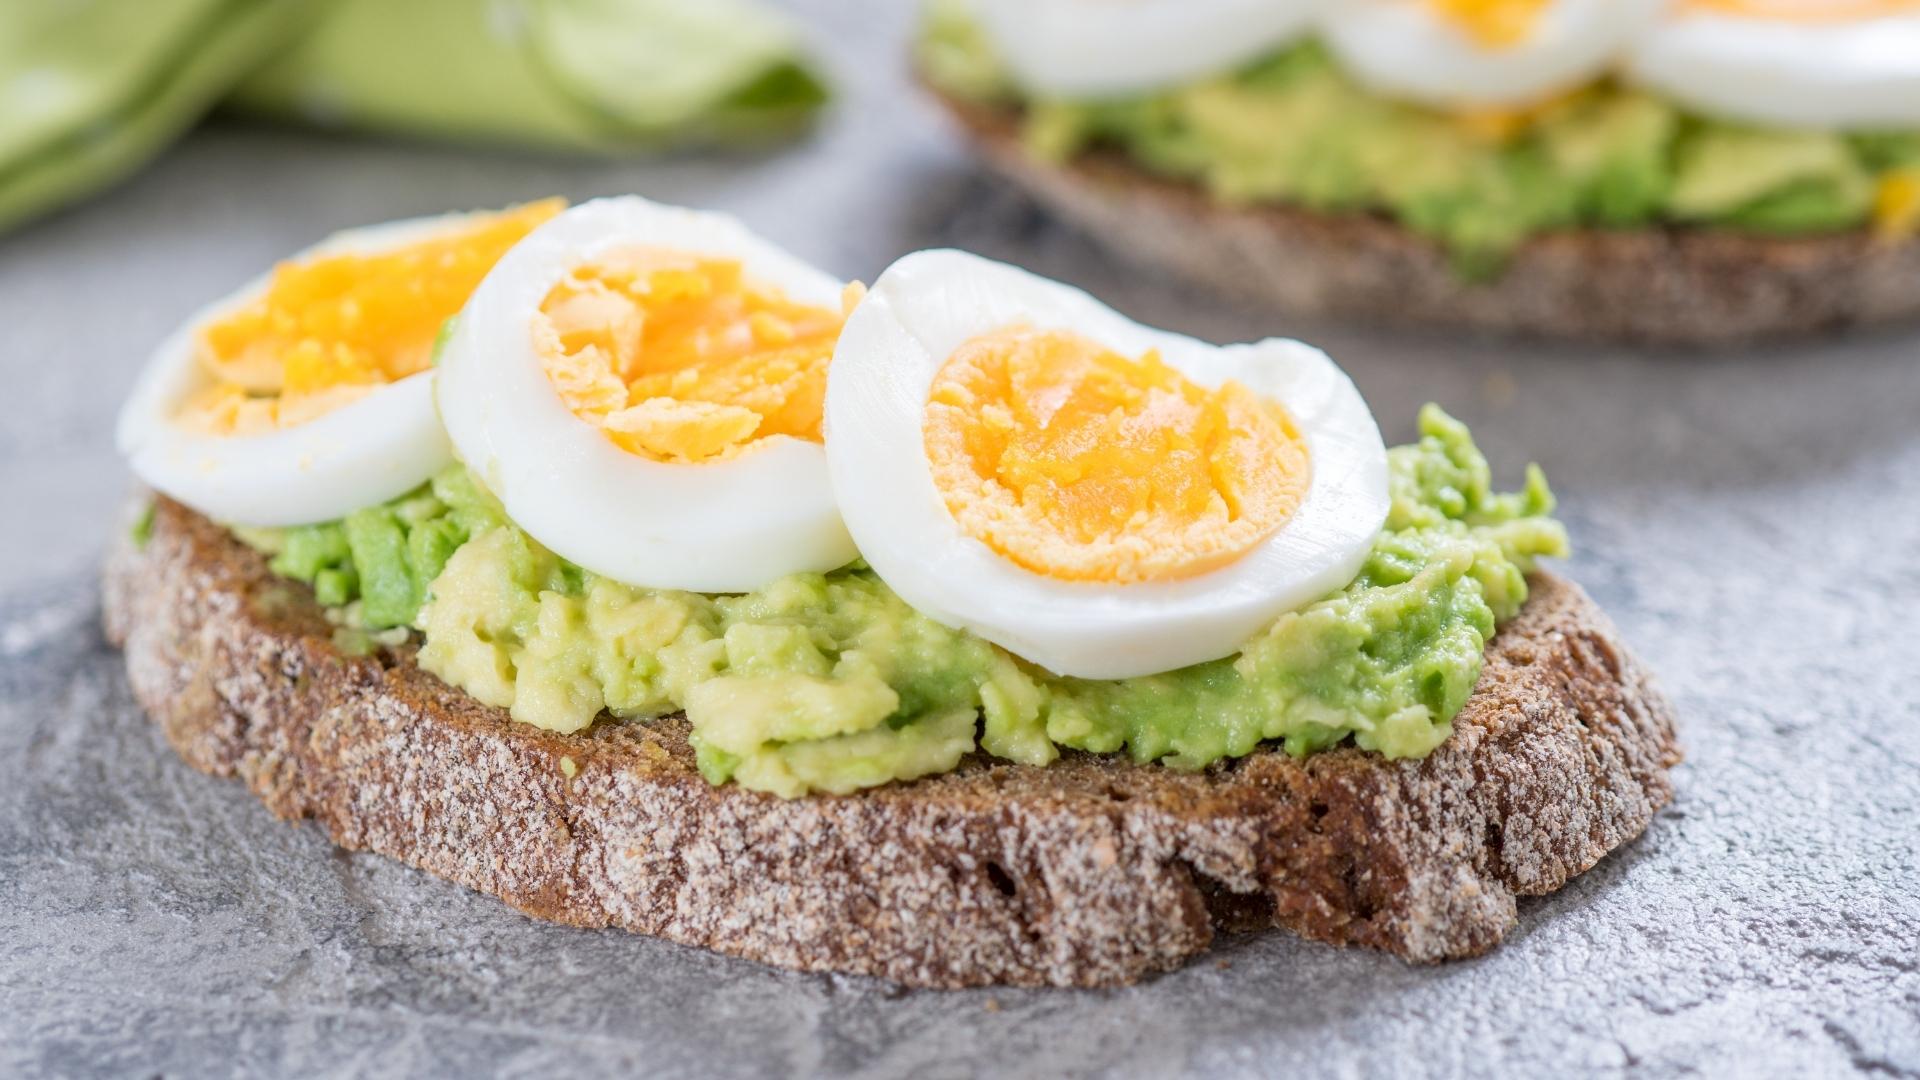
{"x": 1663, "y": 286}
{"x": 1094, "y": 871}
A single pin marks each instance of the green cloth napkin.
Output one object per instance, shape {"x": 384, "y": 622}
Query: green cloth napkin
{"x": 90, "y": 91}
{"x": 601, "y": 76}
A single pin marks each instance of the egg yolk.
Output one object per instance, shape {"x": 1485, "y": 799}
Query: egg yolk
{"x": 1500, "y": 126}
{"x": 1807, "y": 10}
{"x": 1494, "y": 24}
{"x": 1082, "y": 464}
{"x": 1896, "y": 209}
{"x": 330, "y": 329}
{"x": 680, "y": 357}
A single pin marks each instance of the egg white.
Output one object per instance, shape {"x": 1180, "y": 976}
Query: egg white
{"x": 1106, "y": 48}
{"x": 720, "y": 527}
{"x": 928, "y": 304}
{"x": 1405, "y": 49}
{"x": 360, "y": 454}
{"x": 1860, "y": 74}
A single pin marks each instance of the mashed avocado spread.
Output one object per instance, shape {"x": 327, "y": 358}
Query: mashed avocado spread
{"x": 829, "y": 682}
{"x": 1292, "y": 129}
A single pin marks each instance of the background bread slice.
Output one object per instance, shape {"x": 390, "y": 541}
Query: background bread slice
{"x": 1655, "y": 286}
{"x": 1093, "y": 871}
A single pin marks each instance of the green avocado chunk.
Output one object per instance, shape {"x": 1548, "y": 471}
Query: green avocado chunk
{"x": 1772, "y": 181}
{"x": 1293, "y": 129}
{"x": 830, "y": 682}
{"x": 378, "y": 562}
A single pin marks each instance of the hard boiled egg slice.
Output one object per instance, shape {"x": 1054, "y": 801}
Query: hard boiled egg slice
{"x": 1797, "y": 63}
{"x": 308, "y": 394}
{"x": 1100, "y": 498}
{"x": 1483, "y": 53}
{"x": 1105, "y": 48}
{"x": 640, "y": 386}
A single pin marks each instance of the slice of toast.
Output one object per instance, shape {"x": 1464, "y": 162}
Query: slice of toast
{"x": 1673, "y": 286}
{"x": 1092, "y": 871}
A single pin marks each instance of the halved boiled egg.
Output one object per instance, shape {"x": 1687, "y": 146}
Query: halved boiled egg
{"x": 641, "y": 386}
{"x": 1483, "y": 53}
{"x": 1103, "y": 48}
{"x": 308, "y": 394}
{"x": 1097, "y": 497}
{"x": 1797, "y": 63}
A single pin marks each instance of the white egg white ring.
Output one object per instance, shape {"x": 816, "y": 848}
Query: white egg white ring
{"x": 928, "y": 304}
{"x": 1842, "y": 75}
{"x": 1409, "y": 50}
{"x": 1103, "y": 48}
{"x": 720, "y": 527}
{"x": 360, "y": 454}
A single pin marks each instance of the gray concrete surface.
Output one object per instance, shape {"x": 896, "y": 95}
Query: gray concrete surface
{"x": 1752, "y": 521}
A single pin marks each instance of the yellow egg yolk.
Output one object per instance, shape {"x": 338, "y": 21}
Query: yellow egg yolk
{"x": 1079, "y": 463}
{"x": 680, "y": 357}
{"x": 1807, "y": 10}
{"x": 1500, "y": 126}
{"x": 330, "y": 329}
{"x": 1896, "y": 211}
{"x": 1494, "y": 24}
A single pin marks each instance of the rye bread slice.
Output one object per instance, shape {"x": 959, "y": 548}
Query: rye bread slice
{"x": 1093, "y": 871}
{"x": 1669, "y": 286}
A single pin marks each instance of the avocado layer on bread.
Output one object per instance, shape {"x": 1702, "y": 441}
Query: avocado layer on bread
{"x": 1292, "y": 129}
{"x": 830, "y": 682}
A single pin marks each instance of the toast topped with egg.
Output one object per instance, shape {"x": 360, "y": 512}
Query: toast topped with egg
{"x": 1706, "y": 172}
{"x": 959, "y": 630}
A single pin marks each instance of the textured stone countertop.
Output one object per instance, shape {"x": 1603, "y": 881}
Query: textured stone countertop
{"x": 1752, "y": 521}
